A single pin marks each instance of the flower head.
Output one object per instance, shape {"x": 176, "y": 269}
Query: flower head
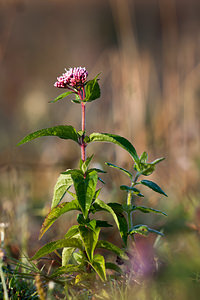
{"x": 73, "y": 77}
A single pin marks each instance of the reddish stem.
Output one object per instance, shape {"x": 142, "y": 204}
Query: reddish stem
{"x": 83, "y": 145}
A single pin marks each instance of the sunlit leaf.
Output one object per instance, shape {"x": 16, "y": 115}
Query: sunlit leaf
{"x": 67, "y": 270}
{"x": 98, "y": 264}
{"x": 111, "y": 247}
{"x": 92, "y": 90}
{"x": 85, "y": 189}
{"x": 116, "y": 139}
{"x": 72, "y": 232}
{"x": 60, "y": 97}
{"x": 67, "y": 254}
{"x": 62, "y": 131}
{"x": 56, "y": 212}
{"x": 62, "y": 185}
{"x": 52, "y": 246}
{"x": 144, "y": 230}
{"x": 89, "y": 238}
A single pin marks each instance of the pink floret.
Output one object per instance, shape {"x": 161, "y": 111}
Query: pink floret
{"x": 73, "y": 77}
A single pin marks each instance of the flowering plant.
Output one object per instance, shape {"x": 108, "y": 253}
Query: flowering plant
{"x": 80, "y": 254}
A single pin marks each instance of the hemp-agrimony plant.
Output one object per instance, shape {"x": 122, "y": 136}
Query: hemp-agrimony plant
{"x": 81, "y": 242}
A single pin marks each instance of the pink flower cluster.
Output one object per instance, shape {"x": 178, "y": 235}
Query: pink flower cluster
{"x": 74, "y": 77}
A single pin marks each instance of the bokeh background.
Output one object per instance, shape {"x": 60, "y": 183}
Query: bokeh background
{"x": 148, "y": 53}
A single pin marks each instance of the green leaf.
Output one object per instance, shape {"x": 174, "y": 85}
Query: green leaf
{"x": 101, "y": 223}
{"x": 67, "y": 254}
{"x": 52, "y": 246}
{"x": 111, "y": 247}
{"x": 98, "y": 265}
{"x": 85, "y": 189}
{"x": 144, "y": 157}
{"x": 100, "y": 205}
{"x": 86, "y": 163}
{"x": 140, "y": 229}
{"x": 92, "y": 90}
{"x": 145, "y": 169}
{"x": 121, "y": 169}
{"x": 97, "y": 170}
{"x": 152, "y": 185}
{"x": 62, "y": 96}
{"x": 155, "y": 231}
{"x": 56, "y": 212}
{"x": 63, "y": 183}
{"x": 62, "y": 131}
{"x": 132, "y": 189}
{"x": 89, "y": 238}
{"x": 148, "y": 210}
{"x": 116, "y": 210}
{"x": 144, "y": 230}
{"x": 156, "y": 161}
{"x": 67, "y": 270}
{"x": 114, "y": 267}
{"x": 72, "y": 232}
{"x": 77, "y": 100}
{"x": 116, "y": 139}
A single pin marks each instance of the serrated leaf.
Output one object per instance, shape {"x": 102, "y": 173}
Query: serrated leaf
{"x": 100, "y": 205}
{"x": 152, "y": 185}
{"x": 148, "y": 210}
{"x": 52, "y": 246}
{"x": 85, "y": 189}
{"x": 111, "y": 247}
{"x": 98, "y": 265}
{"x": 72, "y": 232}
{"x": 66, "y": 255}
{"x": 92, "y": 90}
{"x": 56, "y": 212}
{"x": 63, "y": 183}
{"x": 63, "y": 131}
{"x": 114, "y": 267}
{"x": 116, "y": 210}
{"x": 123, "y": 226}
{"x": 132, "y": 189}
{"x": 67, "y": 270}
{"x": 89, "y": 238}
{"x": 63, "y": 95}
{"x": 116, "y": 139}
{"x": 121, "y": 169}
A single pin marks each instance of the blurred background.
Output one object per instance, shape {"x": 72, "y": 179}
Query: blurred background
{"x": 148, "y": 53}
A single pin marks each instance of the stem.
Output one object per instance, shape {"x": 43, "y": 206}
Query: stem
{"x": 83, "y": 145}
{"x": 3, "y": 281}
{"x": 128, "y": 202}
